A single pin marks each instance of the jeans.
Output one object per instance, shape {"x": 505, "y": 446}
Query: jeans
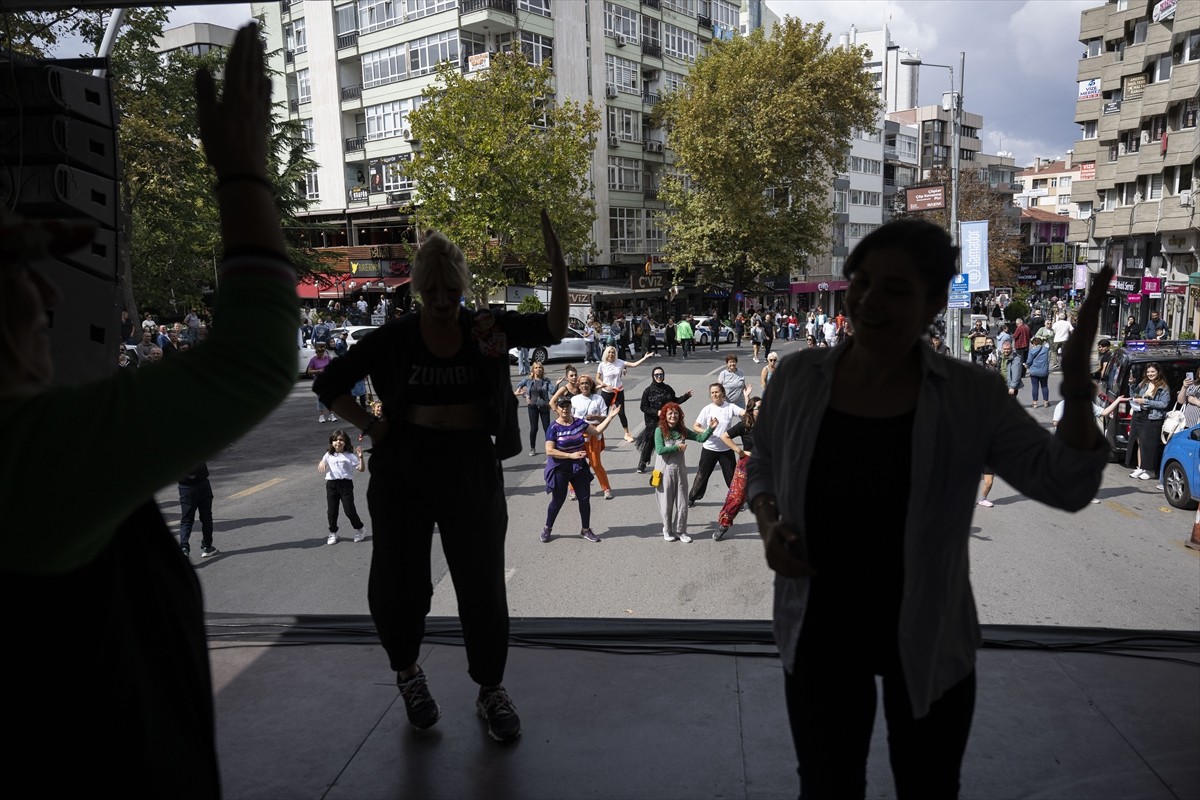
{"x": 192, "y": 499}
{"x": 1039, "y": 381}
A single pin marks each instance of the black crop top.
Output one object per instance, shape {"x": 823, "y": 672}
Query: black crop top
{"x": 433, "y": 381}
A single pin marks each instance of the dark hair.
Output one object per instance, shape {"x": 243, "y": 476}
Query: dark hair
{"x": 926, "y": 245}
{"x": 338, "y": 434}
{"x": 1104, "y": 343}
{"x": 751, "y": 417}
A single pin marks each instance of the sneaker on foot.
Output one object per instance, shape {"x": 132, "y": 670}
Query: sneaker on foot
{"x": 423, "y": 711}
{"x": 985, "y": 503}
{"x": 533, "y": 452}
{"x": 360, "y": 534}
{"x": 332, "y": 539}
{"x": 669, "y": 537}
{"x": 721, "y": 531}
{"x": 1137, "y": 473}
{"x": 332, "y": 418}
{"x": 683, "y": 537}
{"x": 1145, "y": 476}
{"x": 185, "y": 549}
{"x": 496, "y": 708}
{"x": 321, "y": 418}
{"x": 545, "y": 537}
{"x": 571, "y": 493}
{"x": 587, "y": 534}
{"x": 641, "y": 468}
{"x": 608, "y": 494}
{"x": 207, "y": 552}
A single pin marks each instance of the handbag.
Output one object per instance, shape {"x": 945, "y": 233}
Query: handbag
{"x": 1173, "y": 423}
{"x": 656, "y": 478}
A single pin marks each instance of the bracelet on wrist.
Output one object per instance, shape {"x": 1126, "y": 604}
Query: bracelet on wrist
{"x": 244, "y": 177}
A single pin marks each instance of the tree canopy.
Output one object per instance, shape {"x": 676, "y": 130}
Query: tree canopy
{"x": 495, "y": 148}
{"x": 759, "y": 128}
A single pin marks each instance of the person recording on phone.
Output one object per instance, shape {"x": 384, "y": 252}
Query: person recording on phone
{"x": 883, "y": 588}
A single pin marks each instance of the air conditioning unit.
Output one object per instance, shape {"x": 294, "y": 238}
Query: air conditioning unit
{"x": 652, "y": 146}
{"x": 1145, "y": 137}
{"x": 614, "y": 141}
{"x": 619, "y": 39}
{"x": 610, "y": 91}
{"x": 408, "y": 137}
{"x": 1185, "y": 197}
{"x": 650, "y": 74}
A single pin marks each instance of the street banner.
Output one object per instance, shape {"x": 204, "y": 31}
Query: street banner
{"x": 973, "y": 241}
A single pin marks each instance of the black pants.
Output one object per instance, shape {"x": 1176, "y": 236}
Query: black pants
{"x": 619, "y": 397}
{"x": 536, "y": 414}
{"x": 422, "y": 477}
{"x": 341, "y": 489}
{"x": 647, "y": 450}
{"x": 193, "y": 499}
{"x": 708, "y": 460}
{"x": 831, "y": 709}
{"x": 1146, "y": 435}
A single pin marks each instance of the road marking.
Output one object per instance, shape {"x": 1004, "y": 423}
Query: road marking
{"x": 258, "y": 488}
{"x": 1123, "y": 510}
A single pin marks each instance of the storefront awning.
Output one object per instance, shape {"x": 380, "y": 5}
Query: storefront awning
{"x": 808, "y": 287}
{"x": 324, "y": 287}
{"x": 385, "y": 284}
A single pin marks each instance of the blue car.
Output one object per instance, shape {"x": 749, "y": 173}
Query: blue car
{"x": 1180, "y": 469}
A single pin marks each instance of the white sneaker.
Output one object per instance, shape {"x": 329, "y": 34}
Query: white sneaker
{"x": 321, "y": 418}
{"x": 332, "y": 418}
{"x": 668, "y": 537}
{"x": 360, "y": 534}
{"x": 1145, "y": 476}
{"x": 332, "y": 539}
{"x": 683, "y": 537}
{"x": 1137, "y": 473}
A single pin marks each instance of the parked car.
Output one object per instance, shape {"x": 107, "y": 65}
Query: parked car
{"x": 1176, "y": 357}
{"x": 702, "y": 330}
{"x": 353, "y": 333}
{"x": 571, "y": 348}
{"x": 1180, "y": 469}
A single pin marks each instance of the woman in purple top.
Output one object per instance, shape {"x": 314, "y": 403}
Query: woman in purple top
{"x": 566, "y": 464}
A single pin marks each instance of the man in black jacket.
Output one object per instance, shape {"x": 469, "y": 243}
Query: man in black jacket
{"x": 657, "y": 395}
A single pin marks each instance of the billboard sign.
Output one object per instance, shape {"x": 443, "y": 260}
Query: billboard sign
{"x": 973, "y": 241}
{"x": 1087, "y": 171}
{"x": 925, "y": 198}
{"x": 1089, "y": 90}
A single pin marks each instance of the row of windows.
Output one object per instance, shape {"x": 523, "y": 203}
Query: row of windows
{"x": 421, "y": 56}
{"x": 372, "y": 15}
{"x": 868, "y": 166}
{"x": 858, "y": 230}
{"x": 679, "y": 43}
{"x": 1168, "y": 183}
{"x": 633, "y": 230}
{"x": 622, "y": 73}
{"x": 390, "y": 119}
{"x": 720, "y": 12}
{"x": 862, "y": 198}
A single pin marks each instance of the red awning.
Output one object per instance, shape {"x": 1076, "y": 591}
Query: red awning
{"x": 385, "y": 284}
{"x": 813, "y": 286}
{"x": 326, "y": 287}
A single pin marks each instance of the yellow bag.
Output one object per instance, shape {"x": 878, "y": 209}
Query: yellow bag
{"x": 656, "y": 477}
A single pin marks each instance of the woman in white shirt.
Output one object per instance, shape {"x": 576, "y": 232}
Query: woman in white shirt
{"x": 714, "y": 451}
{"x": 589, "y": 406}
{"x": 610, "y": 379}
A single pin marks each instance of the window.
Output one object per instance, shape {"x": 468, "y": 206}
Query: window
{"x": 1187, "y": 114}
{"x": 1130, "y": 141}
{"x": 1064, "y": 199}
{"x": 471, "y": 44}
{"x": 394, "y": 179}
{"x": 384, "y": 66}
{"x": 1160, "y": 70}
{"x": 376, "y": 14}
{"x": 622, "y": 22}
{"x": 621, "y": 73}
{"x": 424, "y": 8}
{"x": 626, "y": 227}
{"x": 839, "y": 202}
{"x": 860, "y": 229}
{"x": 303, "y": 86}
{"x": 679, "y": 43}
{"x": 1126, "y": 193}
{"x": 650, "y": 33}
{"x": 346, "y": 19}
{"x": 306, "y": 133}
{"x": 1154, "y": 187}
{"x": 624, "y": 123}
{"x": 671, "y": 81}
{"x": 624, "y": 174}
{"x": 1064, "y": 183}
{"x": 1107, "y": 199}
{"x": 1114, "y": 151}
{"x": 1191, "y": 46}
{"x": 1138, "y": 34}
{"x": 296, "y": 37}
{"x": 1085, "y": 210}
{"x": 868, "y": 166}
{"x": 861, "y": 198}
{"x": 390, "y": 119}
{"x": 687, "y": 7}
{"x": 1089, "y": 129}
{"x": 724, "y": 13}
{"x": 534, "y": 46}
{"x": 426, "y": 53}
{"x": 1181, "y": 181}
{"x": 1094, "y": 47}
{"x": 312, "y": 190}
{"x": 539, "y": 7}
{"x": 1157, "y": 126}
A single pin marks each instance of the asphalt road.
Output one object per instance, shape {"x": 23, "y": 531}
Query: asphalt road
{"x": 1120, "y": 563}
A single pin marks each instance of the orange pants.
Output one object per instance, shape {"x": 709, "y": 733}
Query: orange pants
{"x": 593, "y": 448}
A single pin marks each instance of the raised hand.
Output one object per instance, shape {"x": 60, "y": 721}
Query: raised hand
{"x": 554, "y": 253}
{"x": 234, "y": 129}
{"x": 1077, "y": 351}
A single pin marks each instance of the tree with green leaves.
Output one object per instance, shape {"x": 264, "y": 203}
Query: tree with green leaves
{"x": 495, "y": 148}
{"x": 759, "y": 128}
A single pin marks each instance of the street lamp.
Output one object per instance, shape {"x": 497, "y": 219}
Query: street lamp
{"x": 956, "y": 106}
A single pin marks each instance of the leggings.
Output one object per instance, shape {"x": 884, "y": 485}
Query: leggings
{"x": 558, "y": 495}
{"x": 831, "y": 708}
{"x": 708, "y": 460}
{"x": 341, "y": 489}
{"x": 619, "y": 397}
{"x": 737, "y": 495}
{"x": 1044, "y": 383}
{"x": 536, "y": 413}
{"x": 421, "y": 477}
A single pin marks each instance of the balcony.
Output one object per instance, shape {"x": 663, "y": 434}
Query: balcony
{"x": 650, "y": 3}
{"x": 650, "y": 194}
{"x": 484, "y": 16}
{"x": 704, "y": 22}
{"x": 345, "y": 40}
{"x": 652, "y": 50}
{"x": 650, "y": 98}
{"x": 288, "y": 56}
{"x": 357, "y": 143}
{"x": 294, "y": 105}
{"x": 351, "y": 93}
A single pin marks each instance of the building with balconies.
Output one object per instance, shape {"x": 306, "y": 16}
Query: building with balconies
{"x": 1048, "y": 260}
{"x": 1139, "y": 91}
{"x": 1047, "y": 184}
{"x": 353, "y": 72}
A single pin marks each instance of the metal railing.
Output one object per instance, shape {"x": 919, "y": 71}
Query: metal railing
{"x": 652, "y": 50}
{"x": 351, "y": 93}
{"x": 345, "y": 40}
{"x": 357, "y": 143}
{"x": 471, "y": 6}
{"x": 650, "y": 3}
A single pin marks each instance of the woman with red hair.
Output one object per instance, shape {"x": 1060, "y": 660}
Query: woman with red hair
{"x": 670, "y": 441}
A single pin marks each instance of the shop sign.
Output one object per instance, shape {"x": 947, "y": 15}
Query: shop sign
{"x": 1175, "y": 288}
{"x": 579, "y": 298}
{"x": 1151, "y": 285}
{"x": 1113, "y": 107}
{"x": 1163, "y": 10}
{"x": 1135, "y": 86}
{"x": 357, "y": 195}
{"x": 647, "y": 282}
{"x": 1089, "y": 90}
{"x": 1087, "y": 171}
{"x": 925, "y": 198}
{"x": 1133, "y": 299}
{"x": 1125, "y": 285}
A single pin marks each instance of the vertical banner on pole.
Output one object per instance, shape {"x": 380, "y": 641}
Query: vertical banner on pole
{"x": 973, "y": 241}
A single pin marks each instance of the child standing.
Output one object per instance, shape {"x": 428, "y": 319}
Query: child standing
{"x": 196, "y": 494}
{"x": 338, "y": 466}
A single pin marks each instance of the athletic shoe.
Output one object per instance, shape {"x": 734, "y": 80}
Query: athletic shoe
{"x": 985, "y": 503}
{"x": 683, "y": 537}
{"x": 207, "y": 552}
{"x": 571, "y": 493}
{"x": 1137, "y": 473}
{"x": 496, "y": 708}
{"x": 641, "y": 468}
{"x": 533, "y": 452}
{"x": 332, "y": 418}
{"x": 545, "y": 537}
{"x": 608, "y": 494}
{"x": 720, "y": 534}
{"x": 423, "y": 711}
{"x": 1146, "y": 476}
{"x": 669, "y": 537}
{"x": 333, "y": 539}
{"x": 321, "y": 418}
{"x": 360, "y": 534}
{"x": 186, "y": 549}
{"x": 587, "y": 534}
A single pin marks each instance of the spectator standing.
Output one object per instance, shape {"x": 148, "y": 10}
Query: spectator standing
{"x": 1149, "y": 401}
{"x": 536, "y": 390}
{"x": 196, "y": 495}
{"x": 685, "y": 334}
{"x": 338, "y": 465}
{"x": 670, "y": 336}
{"x": 127, "y": 328}
{"x": 1062, "y": 331}
{"x": 1039, "y": 372}
{"x": 1020, "y": 337}
{"x": 591, "y": 350}
{"x": 733, "y": 380}
{"x": 316, "y": 365}
{"x": 1156, "y": 328}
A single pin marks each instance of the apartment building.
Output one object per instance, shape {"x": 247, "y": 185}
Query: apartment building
{"x": 196, "y": 38}
{"x": 1139, "y": 92}
{"x": 352, "y": 73}
{"x": 1046, "y": 186}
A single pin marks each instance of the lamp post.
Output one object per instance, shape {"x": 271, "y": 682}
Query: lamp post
{"x": 956, "y": 106}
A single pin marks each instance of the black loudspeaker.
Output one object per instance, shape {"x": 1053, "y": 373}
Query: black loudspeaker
{"x": 58, "y": 160}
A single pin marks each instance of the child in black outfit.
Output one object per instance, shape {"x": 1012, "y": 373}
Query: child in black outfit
{"x": 196, "y": 494}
